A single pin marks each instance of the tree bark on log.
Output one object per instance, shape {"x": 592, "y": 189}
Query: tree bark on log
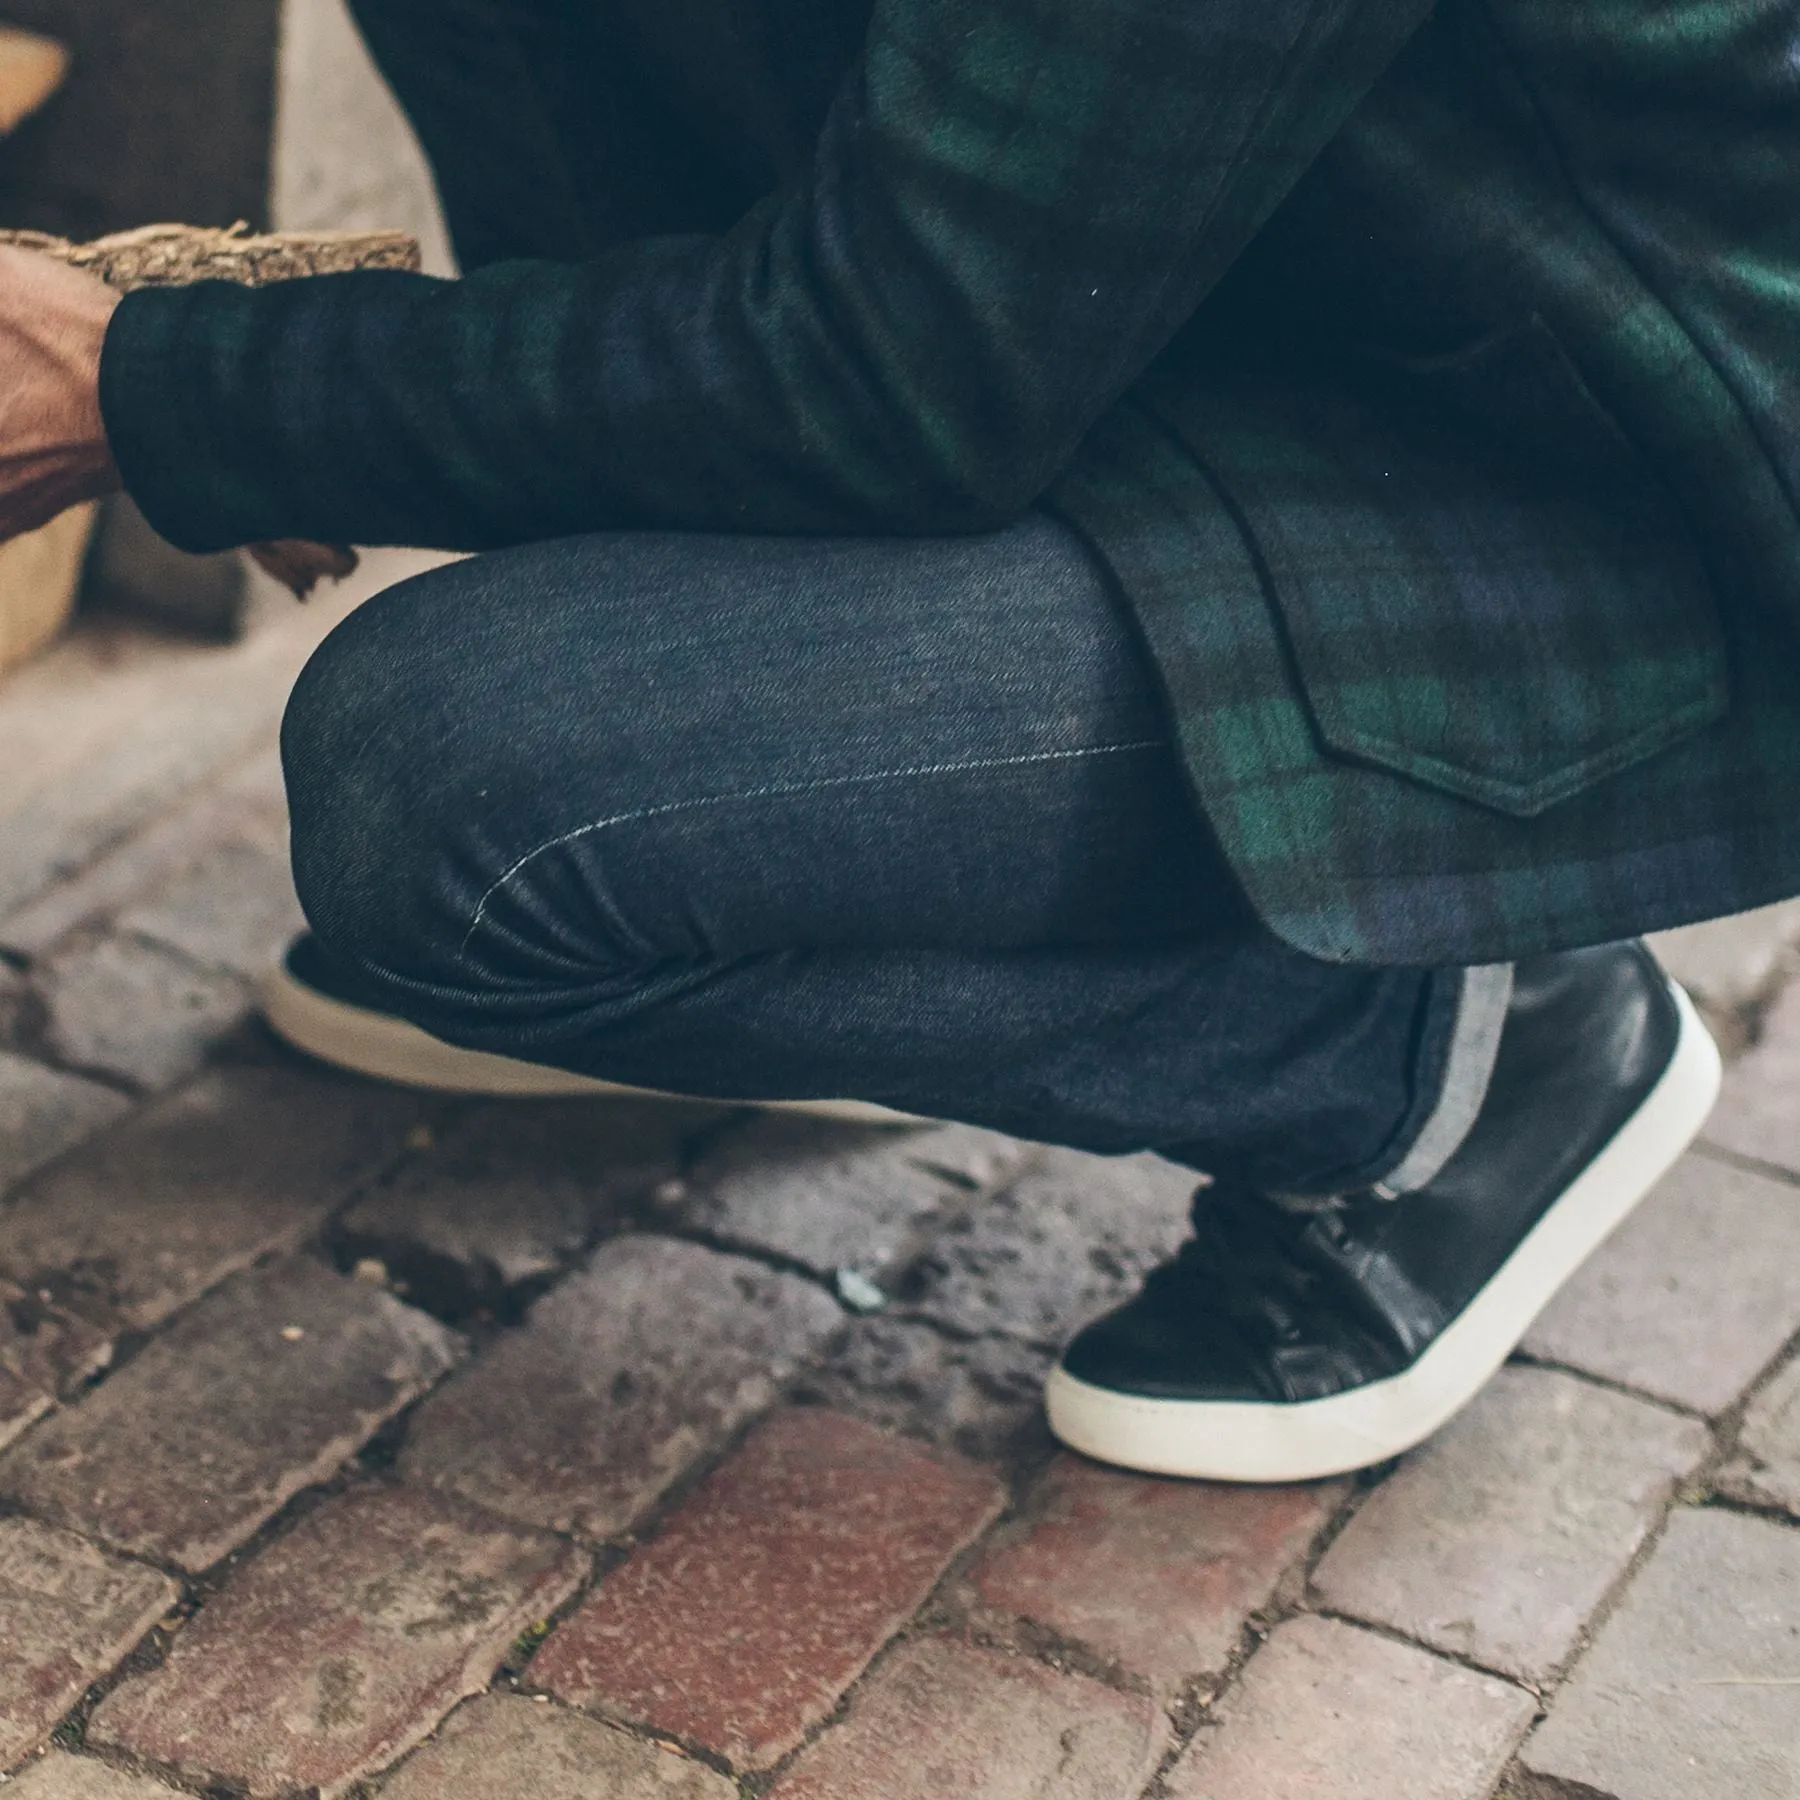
{"x": 178, "y": 255}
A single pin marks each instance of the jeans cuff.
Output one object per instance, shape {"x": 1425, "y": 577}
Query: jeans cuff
{"x": 1467, "y": 1054}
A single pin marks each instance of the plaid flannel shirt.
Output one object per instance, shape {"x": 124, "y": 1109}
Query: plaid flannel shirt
{"x": 1430, "y": 385}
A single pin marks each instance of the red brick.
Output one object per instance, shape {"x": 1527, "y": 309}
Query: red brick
{"x": 60, "y": 1777}
{"x": 502, "y": 1746}
{"x": 621, "y": 1379}
{"x": 1327, "y": 1712}
{"x": 197, "y": 1186}
{"x": 942, "y": 1718}
{"x": 42, "y": 1352}
{"x": 69, "y": 1614}
{"x": 745, "y": 1621}
{"x": 263, "y": 1389}
{"x": 341, "y": 1646}
{"x": 1157, "y": 1576}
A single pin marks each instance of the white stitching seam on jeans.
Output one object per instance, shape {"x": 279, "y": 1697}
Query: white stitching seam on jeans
{"x": 775, "y": 789}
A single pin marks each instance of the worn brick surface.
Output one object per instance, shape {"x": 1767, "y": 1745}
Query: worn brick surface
{"x": 748, "y": 1617}
{"x": 197, "y": 1186}
{"x": 1159, "y": 1577}
{"x": 983, "y": 1398}
{"x": 1693, "y": 1297}
{"x": 43, "y": 1113}
{"x": 134, "y": 1011}
{"x": 116, "y": 725}
{"x": 620, "y": 1379}
{"x": 69, "y": 1614}
{"x": 263, "y": 1389}
{"x": 42, "y": 1353}
{"x": 246, "y": 802}
{"x": 837, "y": 1196}
{"x": 1692, "y": 1691}
{"x": 504, "y": 1748}
{"x": 1070, "y": 1238}
{"x": 1325, "y": 1711}
{"x": 510, "y": 1192}
{"x": 235, "y": 909}
{"x": 341, "y": 1646}
{"x": 1729, "y": 964}
{"x": 941, "y": 1717}
{"x": 60, "y": 1777}
{"x": 1756, "y": 1115}
{"x": 1766, "y": 1466}
{"x": 1502, "y": 1536}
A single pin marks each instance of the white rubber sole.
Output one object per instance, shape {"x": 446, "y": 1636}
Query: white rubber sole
{"x": 389, "y": 1049}
{"x": 1308, "y": 1440}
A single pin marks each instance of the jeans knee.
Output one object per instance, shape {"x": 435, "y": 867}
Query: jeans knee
{"x": 355, "y": 751}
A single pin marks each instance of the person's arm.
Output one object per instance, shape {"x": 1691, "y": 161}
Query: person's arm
{"x": 1013, "y": 206}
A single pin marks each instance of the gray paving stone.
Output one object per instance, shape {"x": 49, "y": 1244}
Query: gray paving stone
{"x": 1731, "y": 963}
{"x": 248, "y": 802}
{"x": 834, "y": 1196}
{"x": 263, "y": 1389}
{"x": 1693, "y": 1297}
{"x": 169, "y": 719}
{"x": 1325, "y": 1711}
{"x": 235, "y": 909}
{"x": 69, "y": 1614}
{"x": 503, "y": 1747}
{"x": 1692, "y": 1690}
{"x": 1765, "y": 1469}
{"x": 620, "y": 1379}
{"x": 1756, "y": 1115}
{"x": 509, "y": 1193}
{"x": 43, "y": 1353}
{"x": 942, "y": 1718}
{"x": 43, "y": 1113}
{"x": 983, "y": 1398}
{"x": 1501, "y": 1537}
{"x": 340, "y": 1647}
{"x": 196, "y": 1186}
{"x": 1073, "y": 1236}
{"x": 136, "y": 1012}
{"x": 61, "y": 1777}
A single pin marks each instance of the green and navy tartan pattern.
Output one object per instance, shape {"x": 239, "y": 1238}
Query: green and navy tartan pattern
{"x": 1431, "y": 382}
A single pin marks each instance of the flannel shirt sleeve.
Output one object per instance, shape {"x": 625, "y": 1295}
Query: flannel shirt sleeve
{"x": 1012, "y": 207}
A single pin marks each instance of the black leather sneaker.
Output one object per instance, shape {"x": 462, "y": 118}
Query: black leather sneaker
{"x": 1295, "y": 1339}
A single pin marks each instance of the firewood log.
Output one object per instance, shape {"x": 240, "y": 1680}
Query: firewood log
{"x": 177, "y": 255}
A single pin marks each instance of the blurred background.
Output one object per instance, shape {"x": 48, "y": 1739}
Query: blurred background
{"x": 119, "y": 113}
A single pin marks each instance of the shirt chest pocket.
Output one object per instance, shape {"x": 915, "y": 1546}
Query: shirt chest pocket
{"x": 1480, "y": 582}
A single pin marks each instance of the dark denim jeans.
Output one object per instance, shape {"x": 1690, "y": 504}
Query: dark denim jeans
{"x": 892, "y": 820}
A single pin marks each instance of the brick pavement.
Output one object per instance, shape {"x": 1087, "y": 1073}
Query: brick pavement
{"x": 361, "y": 1442}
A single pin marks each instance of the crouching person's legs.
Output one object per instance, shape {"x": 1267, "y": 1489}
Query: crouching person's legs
{"x": 902, "y": 821}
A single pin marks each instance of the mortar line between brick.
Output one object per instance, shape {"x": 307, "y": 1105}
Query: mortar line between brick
{"x": 1749, "y": 1165}
{"x": 1524, "y": 1359}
